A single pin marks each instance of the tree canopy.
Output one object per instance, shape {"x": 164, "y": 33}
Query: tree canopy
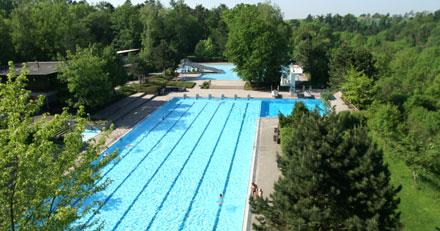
{"x": 257, "y": 42}
{"x": 45, "y": 178}
{"x": 333, "y": 178}
{"x": 91, "y": 75}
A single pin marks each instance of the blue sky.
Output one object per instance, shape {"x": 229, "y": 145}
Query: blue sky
{"x": 300, "y": 9}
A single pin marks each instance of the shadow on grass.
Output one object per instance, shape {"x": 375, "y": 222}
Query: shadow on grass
{"x": 427, "y": 181}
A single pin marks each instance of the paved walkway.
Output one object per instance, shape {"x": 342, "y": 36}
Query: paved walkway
{"x": 338, "y": 103}
{"x": 265, "y": 170}
{"x": 229, "y": 93}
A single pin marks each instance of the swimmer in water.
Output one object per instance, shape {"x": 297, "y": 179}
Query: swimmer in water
{"x": 220, "y": 199}
{"x": 128, "y": 145}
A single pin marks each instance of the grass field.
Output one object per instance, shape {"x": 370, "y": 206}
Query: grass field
{"x": 420, "y": 203}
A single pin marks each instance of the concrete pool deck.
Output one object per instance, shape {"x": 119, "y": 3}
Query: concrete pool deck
{"x": 264, "y": 170}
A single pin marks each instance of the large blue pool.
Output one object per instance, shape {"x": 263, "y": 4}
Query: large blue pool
{"x": 176, "y": 162}
{"x": 229, "y": 73}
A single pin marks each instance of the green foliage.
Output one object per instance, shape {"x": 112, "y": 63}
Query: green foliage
{"x": 257, "y": 42}
{"x": 400, "y": 54}
{"x": 333, "y": 178}
{"x": 358, "y": 88}
{"x": 157, "y": 80}
{"x": 43, "y": 30}
{"x": 87, "y": 79}
{"x": 114, "y": 66}
{"x": 344, "y": 58}
{"x": 139, "y": 67}
{"x": 128, "y": 28}
{"x": 153, "y": 89}
{"x": 293, "y": 119}
{"x": 310, "y": 47}
{"x": 91, "y": 74}
{"x": 6, "y": 48}
{"x": 419, "y": 201}
{"x": 99, "y": 23}
{"x": 384, "y": 121}
{"x": 326, "y": 96}
{"x": 205, "y": 49}
{"x": 126, "y": 90}
{"x": 164, "y": 56}
{"x": 422, "y": 141}
{"x": 44, "y": 183}
{"x": 185, "y": 84}
{"x": 205, "y": 84}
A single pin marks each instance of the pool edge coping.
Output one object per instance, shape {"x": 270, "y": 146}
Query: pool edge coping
{"x": 247, "y": 222}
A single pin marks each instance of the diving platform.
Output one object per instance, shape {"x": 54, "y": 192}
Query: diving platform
{"x": 289, "y": 77}
{"x": 187, "y": 62}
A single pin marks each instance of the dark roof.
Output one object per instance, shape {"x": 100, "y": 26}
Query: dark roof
{"x": 34, "y": 68}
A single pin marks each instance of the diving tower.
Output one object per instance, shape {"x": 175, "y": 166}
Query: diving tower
{"x": 288, "y": 78}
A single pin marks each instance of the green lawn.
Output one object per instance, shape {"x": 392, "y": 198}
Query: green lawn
{"x": 420, "y": 203}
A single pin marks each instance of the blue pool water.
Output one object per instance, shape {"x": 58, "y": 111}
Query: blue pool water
{"x": 229, "y": 73}
{"x": 88, "y": 134}
{"x": 171, "y": 172}
{"x": 273, "y": 107}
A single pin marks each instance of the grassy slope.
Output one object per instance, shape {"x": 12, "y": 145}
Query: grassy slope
{"x": 420, "y": 203}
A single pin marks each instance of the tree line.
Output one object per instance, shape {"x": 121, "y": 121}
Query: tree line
{"x": 86, "y": 37}
{"x": 46, "y": 30}
{"x": 388, "y": 67}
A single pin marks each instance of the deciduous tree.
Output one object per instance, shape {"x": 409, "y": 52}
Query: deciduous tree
{"x": 87, "y": 79}
{"x": 45, "y": 178}
{"x": 205, "y": 49}
{"x": 257, "y": 42}
{"x": 358, "y": 87}
{"x": 346, "y": 56}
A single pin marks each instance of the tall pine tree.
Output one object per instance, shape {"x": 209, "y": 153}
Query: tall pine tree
{"x": 333, "y": 178}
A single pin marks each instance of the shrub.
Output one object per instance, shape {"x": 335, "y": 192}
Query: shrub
{"x": 152, "y": 89}
{"x": 170, "y": 73}
{"x": 157, "y": 81}
{"x": 205, "y": 85}
{"x": 326, "y": 96}
{"x": 181, "y": 84}
{"x": 126, "y": 90}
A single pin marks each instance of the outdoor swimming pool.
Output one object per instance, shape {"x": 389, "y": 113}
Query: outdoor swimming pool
{"x": 229, "y": 73}
{"x": 171, "y": 171}
{"x": 273, "y": 107}
{"x": 88, "y": 134}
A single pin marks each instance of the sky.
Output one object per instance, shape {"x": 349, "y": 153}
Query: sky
{"x": 297, "y": 9}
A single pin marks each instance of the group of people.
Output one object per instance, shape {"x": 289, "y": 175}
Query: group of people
{"x": 256, "y": 192}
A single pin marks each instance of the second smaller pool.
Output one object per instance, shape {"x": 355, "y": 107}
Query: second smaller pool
{"x": 229, "y": 73}
{"x": 89, "y": 134}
